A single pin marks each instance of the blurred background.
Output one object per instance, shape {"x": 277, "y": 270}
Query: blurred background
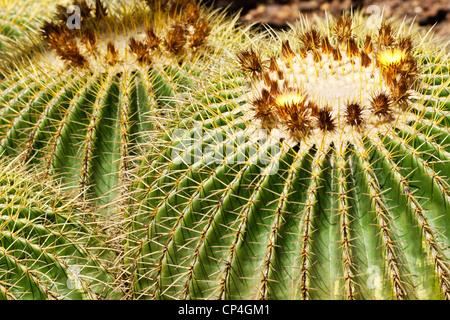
{"x": 277, "y": 13}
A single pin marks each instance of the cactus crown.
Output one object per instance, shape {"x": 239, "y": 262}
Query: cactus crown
{"x": 332, "y": 84}
{"x": 102, "y": 38}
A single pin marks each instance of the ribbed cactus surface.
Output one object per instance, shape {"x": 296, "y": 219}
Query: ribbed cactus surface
{"x": 46, "y": 250}
{"x": 317, "y": 167}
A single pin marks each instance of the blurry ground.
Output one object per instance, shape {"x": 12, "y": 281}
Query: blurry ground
{"x": 277, "y": 12}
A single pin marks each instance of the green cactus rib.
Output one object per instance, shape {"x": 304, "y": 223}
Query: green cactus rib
{"x": 225, "y": 214}
{"x": 46, "y": 251}
{"x": 84, "y": 128}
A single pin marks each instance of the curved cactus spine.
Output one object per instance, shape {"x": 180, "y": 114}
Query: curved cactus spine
{"x": 272, "y": 189}
{"x": 47, "y": 251}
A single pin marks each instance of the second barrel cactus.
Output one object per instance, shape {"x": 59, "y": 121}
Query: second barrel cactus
{"x": 316, "y": 167}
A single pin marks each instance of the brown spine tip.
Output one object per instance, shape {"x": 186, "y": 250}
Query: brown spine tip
{"x": 61, "y": 40}
{"x": 251, "y": 63}
{"x": 89, "y": 40}
{"x": 112, "y": 56}
{"x": 296, "y": 118}
{"x": 192, "y": 13}
{"x": 61, "y": 13}
{"x": 140, "y": 51}
{"x": 176, "y": 39}
{"x": 327, "y": 48}
{"x": 365, "y": 59}
{"x": 352, "y": 48}
{"x": 337, "y": 56}
{"x": 381, "y": 104}
{"x": 325, "y": 120}
{"x": 368, "y": 46}
{"x": 266, "y": 78}
{"x": 342, "y": 29}
{"x": 85, "y": 9}
{"x": 317, "y": 57}
{"x": 353, "y": 114}
{"x": 274, "y": 88}
{"x": 152, "y": 40}
{"x": 313, "y": 107}
{"x": 386, "y": 34}
{"x": 100, "y": 9}
{"x": 286, "y": 51}
{"x": 400, "y": 93}
{"x": 311, "y": 39}
{"x": 405, "y": 43}
{"x": 201, "y": 33}
{"x": 273, "y": 67}
{"x": 263, "y": 109}
{"x": 280, "y": 75}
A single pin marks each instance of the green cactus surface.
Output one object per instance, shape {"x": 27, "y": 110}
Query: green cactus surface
{"x": 316, "y": 166}
{"x": 46, "y": 250}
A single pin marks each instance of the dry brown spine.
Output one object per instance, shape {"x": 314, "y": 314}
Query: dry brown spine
{"x": 337, "y": 56}
{"x": 386, "y": 34}
{"x": 381, "y": 105}
{"x": 365, "y": 59}
{"x": 262, "y": 107}
{"x": 273, "y": 67}
{"x": 353, "y": 114}
{"x": 152, "y": 39}
{"x": 325, "y": 120}
{"x": 295, "y": 117}
{"x": 286, "y": 51}
{"x": 342, "y": 29}
{"x": 112, "y": 55}
{"x": 140, "y": 51}
{"x": 311, "y": 39}
{"x": 176, "y": 39}
{"x": 201, "y": 32}
{"x": 100, "y": 9}
{"x": 251, "y": 63}
{"x": 368, "y": 46}
{"x": 326, "y": 46}
{"x": 352, "y": 49}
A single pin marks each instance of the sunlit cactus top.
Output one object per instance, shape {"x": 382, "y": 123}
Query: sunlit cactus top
{"x": 89, "y": 36}
{"x": 329, "y": 85}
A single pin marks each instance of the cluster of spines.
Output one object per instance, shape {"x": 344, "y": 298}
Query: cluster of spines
{"x": 63, "y": 40}
{"x": 188, "y": 31}
{"x": 398, "y": 75}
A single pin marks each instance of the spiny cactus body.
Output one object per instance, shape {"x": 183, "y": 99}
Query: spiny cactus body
{"x": 78, "y": 101}
{"x": 317, "y": 167}
{"x": 47, "y": 251}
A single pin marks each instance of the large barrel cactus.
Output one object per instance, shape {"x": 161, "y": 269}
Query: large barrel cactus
{"x": 47, "y": 249}
{"x": 78, "y": 98}
{"x": 315, "y": 165}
